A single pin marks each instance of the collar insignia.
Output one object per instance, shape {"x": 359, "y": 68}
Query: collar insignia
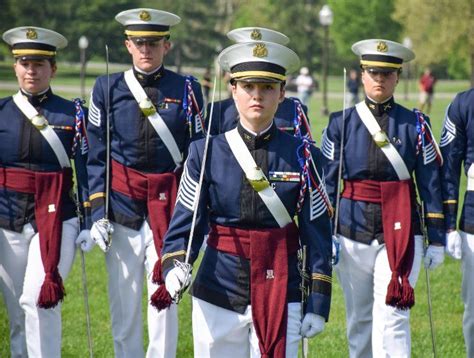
{"x": 387, "y": 107}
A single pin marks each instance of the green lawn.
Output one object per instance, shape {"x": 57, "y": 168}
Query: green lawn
{"x": 445, "y": 286}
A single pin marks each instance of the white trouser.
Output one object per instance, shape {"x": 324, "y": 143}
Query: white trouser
{"x": 373, "y": 328}
{"x": 21, "y": 276}
{"x": 131, "y": 253}
{"x": 468, "y": 290}
{"x": 219, "y": 332}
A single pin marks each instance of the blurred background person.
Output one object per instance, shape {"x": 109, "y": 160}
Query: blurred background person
{"x": 353, "y": 85}
{"x": 426, "y": 85}
{"x": 305, "y": 85}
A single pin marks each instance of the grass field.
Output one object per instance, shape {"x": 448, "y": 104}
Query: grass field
{"x": 445, "y": 281}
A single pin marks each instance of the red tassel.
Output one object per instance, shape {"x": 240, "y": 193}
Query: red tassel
{"x": 161, "y": 299}
{"x": 157, "y": 277}
{"x": 393, "y": 291}
{"x": 52, "y": 291}
{"x": 408, "y": 295}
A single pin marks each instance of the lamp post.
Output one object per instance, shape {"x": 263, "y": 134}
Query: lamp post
{"x": 325, "y": 19}
{"x": 83, "y": 44}
{"x": 408, "y": 44}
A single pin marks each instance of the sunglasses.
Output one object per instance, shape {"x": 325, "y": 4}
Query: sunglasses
{"x": 151, "y": 43}
{"x": 375, "y": 73}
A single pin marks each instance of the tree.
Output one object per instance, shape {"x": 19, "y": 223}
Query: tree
{"x": 441, "y": 31}
{"x": 356, "y": 20}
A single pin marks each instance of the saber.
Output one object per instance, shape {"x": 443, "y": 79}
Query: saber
{"x": 86, "y": 304}
{"x": 80, "y": 218}
{"x": 107, "y": 135}
{"x": 186, "y": 266}
{"x": 107, "y": 146}
{"x": 304, "y": 293}
{"x": 427, "y": 277}
{"x": 83, "y": 264}
{"x": 341, "y": 156}
{"x": 336, "y": 243}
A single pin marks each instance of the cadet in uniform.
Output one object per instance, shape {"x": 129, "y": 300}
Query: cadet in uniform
{"x": 40, "y": 133}
{"x": 151, "y": 126}
{"x": 384, "y": 146}
{"x": 291, "y": 115}
{"x": 256, "y": 180}
{"x": 457, "y": 147}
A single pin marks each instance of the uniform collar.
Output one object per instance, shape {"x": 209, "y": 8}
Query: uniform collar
{"x": 378, "y": 109}
{"x": 37, "y": 100}
{"x": 256, "y": 141}
{"x": 149, "y": 79}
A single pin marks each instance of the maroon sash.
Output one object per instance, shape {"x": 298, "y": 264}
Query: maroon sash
{"x": 395, "y": 199}
{"x": 159, "y": 191}
{"x": 47, "y": 188}
{"x": 268, "y": 251}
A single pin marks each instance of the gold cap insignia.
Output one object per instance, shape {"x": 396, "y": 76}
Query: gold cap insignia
{"x": 256, "y": 35}
{"x": 382, "y": 46}
{"x": 31, "y": 34}
{"x": 260, "y": 50}
{"x": 144, "y": 15}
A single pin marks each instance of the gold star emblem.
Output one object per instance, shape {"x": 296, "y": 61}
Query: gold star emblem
{"x": 144, "y": 15}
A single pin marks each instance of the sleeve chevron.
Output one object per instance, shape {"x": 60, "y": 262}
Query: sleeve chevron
{"x": 327, "y": 146}
{"x": 449, "y": 132}
{"x": 319, "y": 199}
{"x": 94, "y": 112}
{"x": 187, "y": 192}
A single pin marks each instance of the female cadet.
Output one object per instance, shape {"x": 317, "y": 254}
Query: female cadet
{"x": 246, "y": 297}
{"x": 384, "y": 146}
{"x": 39, "y": 133}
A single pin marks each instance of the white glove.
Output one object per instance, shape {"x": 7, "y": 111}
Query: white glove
{"x": 312, "y": 325}
{"x": 453, "y": 244}
{"x": 434, "y": 256}
{"x": 101, "y": 232}
{"x": 336, "y": 248}
{"x": 84, "y": 239}
{"x": 177, "y": 280}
